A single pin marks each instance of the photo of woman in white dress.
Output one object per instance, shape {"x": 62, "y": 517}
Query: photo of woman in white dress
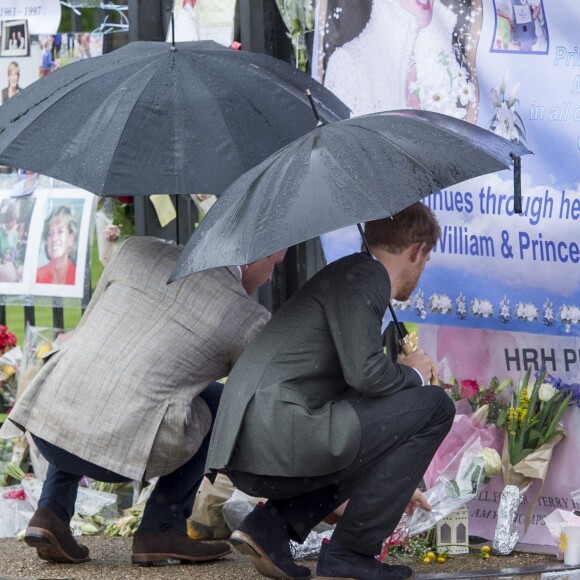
{"x": 382, "y": 55}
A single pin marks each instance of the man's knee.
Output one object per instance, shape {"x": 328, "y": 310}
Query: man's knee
{"x": 440, "y": 399}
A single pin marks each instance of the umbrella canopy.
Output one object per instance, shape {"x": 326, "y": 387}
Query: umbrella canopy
{"x": 151, "y": 119}
{"x": 337, "y": 175}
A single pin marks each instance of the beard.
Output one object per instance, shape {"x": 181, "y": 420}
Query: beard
{"x": 408, "y": 281}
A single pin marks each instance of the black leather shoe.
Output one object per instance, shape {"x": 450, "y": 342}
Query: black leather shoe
{"x": 53, "y": 539}
{"x": 264, "y": 537}
{"x": 335, "y": 562}
{"x": 154, "y": 548}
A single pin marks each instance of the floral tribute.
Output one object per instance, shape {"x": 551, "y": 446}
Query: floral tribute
{"x": 10, "y": 357}
{"x": 572, "y": 390}
{"x": 7, "y": 339}
{"x": 8, "y": 368}
{"x": 533, "y": 429}
{"x": 478, "y": 395}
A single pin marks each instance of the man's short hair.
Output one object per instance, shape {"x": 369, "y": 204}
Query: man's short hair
{"x": 416, "y": 223}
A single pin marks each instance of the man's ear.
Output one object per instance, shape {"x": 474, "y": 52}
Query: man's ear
{"x": 416, "y": 250}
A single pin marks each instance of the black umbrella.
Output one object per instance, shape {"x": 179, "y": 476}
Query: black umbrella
{"x": 154, "y": 118}
{"x": 339, "y": 174}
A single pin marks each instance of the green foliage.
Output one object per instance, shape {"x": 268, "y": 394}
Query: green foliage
{"x": 533, "y": 418}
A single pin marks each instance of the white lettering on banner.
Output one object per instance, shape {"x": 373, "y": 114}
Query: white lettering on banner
{"x": 566, "y": 57}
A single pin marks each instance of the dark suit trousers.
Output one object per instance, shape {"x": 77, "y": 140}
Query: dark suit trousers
{"x": 399, "y": 436}
{"x": 171, "y": 500}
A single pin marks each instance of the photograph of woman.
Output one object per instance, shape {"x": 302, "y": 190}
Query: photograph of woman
{"x": 13, "y": 87}
{"x": 14, "y": 38}
{"x": 59, "y": 246}
{"x": 15, "y": 217}
{"x": 13, "y": 43}
{"x": 398, "y": 54}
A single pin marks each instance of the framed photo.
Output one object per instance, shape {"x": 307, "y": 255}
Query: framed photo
{"x": 61, "y": 257}
{"x": 15, "y": 38}
{"x": 44, "y": 242}
{"x": 520, "y": 26}
{"x": 15, "y": 253}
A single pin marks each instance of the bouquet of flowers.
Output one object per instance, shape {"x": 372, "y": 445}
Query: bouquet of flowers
{"x": 478, "y": 395}
{"x": 10, "y": 357}
{"x": 572, "y": 389}
{"x": 298, "y": 16}
{"x": 459, "y": 482}
{"x": 533, "y": 429}
{"x": 481, "y": 411}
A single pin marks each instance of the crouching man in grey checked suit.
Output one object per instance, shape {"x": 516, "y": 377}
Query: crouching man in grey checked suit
{"x": 315, "y": 413}
{"x": 126, "y": 398}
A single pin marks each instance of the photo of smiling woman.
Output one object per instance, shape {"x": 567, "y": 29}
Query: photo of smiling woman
{"x": 59, "y": 238}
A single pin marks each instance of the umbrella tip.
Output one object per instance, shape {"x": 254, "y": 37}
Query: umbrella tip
{"x": 314, "y": 109}
{"x": 173, "y": 49}
{"x": 517, "y": 182}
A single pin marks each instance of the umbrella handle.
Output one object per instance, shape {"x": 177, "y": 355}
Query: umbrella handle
{"x": 408, "y": 348}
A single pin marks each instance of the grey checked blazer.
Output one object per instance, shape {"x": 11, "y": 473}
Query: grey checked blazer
{"x": 122, "y": 392}
{"x": 284, "y": 410}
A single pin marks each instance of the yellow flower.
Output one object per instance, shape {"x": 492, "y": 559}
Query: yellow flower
{"x": 522, "y": 409}
{"x": 8, "y": 370}
{"x": 441, "y": 559}
{"x": 563, "y": 543}
{"x": 485, "y": 556}
{"x": 43, "y": 350}
{"x": 426, "y": 560}
{"x": 485, "y": 549}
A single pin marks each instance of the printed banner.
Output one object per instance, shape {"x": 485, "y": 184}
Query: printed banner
{"x": 43, "y": 16}
{"x": 511, "y": 66}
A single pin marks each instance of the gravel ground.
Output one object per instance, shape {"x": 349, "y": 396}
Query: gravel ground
{"x": 111, "y": 559}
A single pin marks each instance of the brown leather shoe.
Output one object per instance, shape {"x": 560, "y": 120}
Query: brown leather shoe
{"x": 151, "y": 548}
{"x": 53, "y": 539}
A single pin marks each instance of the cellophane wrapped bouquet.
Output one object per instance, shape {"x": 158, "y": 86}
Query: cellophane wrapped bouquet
{"x": 458, "y": 483}
{"x": 533, "y": 429}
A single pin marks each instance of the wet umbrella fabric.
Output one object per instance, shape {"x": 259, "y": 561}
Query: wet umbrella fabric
{"x": 146, "y": 119}
{"x": 337, "y": 175}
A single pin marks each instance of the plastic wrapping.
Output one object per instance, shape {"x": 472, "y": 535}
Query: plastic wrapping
{"x": 463, "y": 429}
{"x": 506, "y": 533}
{"x": 15, "y": 512}
{"x": 310, "y": 548}
{"x": 90, "y": 502}
{"x": 458, "y": 483}
{"x": 237, "y": 507}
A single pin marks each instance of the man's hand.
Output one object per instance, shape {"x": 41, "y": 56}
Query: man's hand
{"x": 417, "y": 500}
{"x": 420, "y": 361}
